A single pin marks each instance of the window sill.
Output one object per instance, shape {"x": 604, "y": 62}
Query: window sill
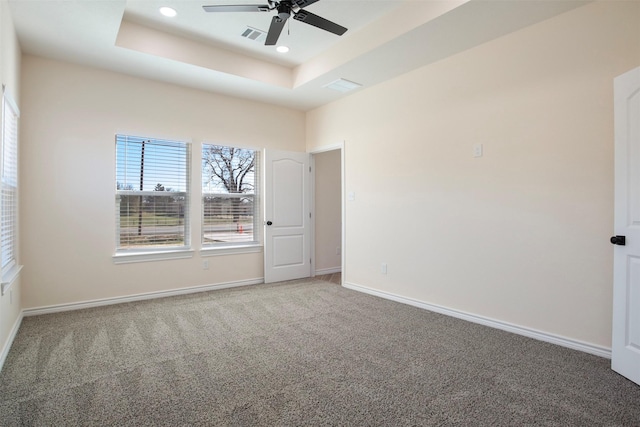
{"x": 230, "y": 250}
{"x": 164, "y": 255}
{"x": 9, "y": 277}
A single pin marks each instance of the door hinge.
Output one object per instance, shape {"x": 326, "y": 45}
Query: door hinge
{"x": 309, "y": 169}
{"x": 309, "y": 214}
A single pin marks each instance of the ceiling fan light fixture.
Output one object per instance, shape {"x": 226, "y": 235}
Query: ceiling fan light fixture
{"x": 342, "y": 85}
{"x": 282, "y": 49}
{"x": 168, "y": 11}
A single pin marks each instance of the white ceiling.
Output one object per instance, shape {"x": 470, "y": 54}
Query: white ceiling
{"x": 205, "y": 51}
{"x": 224, "y": 29}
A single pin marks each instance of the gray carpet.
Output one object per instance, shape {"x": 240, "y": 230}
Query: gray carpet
{"x": 298, "y": 353}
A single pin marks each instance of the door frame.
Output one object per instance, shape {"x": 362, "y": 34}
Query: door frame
{"x": 343, "y": 243}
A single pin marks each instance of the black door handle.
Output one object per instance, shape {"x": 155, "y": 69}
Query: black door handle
{"x": 269, "y": 223}
{"x": 619, "y": 240}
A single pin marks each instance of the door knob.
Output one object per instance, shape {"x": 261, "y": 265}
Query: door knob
{"x": 269, "y": 223}
{"x": 619, "y": 240}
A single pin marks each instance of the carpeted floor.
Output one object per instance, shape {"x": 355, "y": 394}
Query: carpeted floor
{"x": 298, "y": 353}
{"x": 333, "y": 278}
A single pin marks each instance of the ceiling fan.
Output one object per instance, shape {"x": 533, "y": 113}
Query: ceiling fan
{"x": 285, "y": 9}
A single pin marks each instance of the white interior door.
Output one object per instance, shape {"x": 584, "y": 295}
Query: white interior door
{"x": 287, "y": 250}
{"x": 625, "y": 348}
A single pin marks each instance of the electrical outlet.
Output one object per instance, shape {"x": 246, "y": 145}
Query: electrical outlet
{"x": 205, "y": 264}
{"x": 383, "y": 268}
{"x": 477, "y": 150}
{"x": 338, "y": 250}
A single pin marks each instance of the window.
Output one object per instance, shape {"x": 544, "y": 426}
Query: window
{"x": 9, "y": 190}
{"x": 229, "y": 191}
{"x": 152, "y": 194}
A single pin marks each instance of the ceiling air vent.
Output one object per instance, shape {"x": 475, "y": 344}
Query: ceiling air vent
{"x": 342, "y": 85}
{"x": 254, "y": 34}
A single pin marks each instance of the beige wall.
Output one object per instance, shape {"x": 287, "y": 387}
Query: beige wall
{"x": 519, "y": 235}
{"x": 10, "y": 76}
{"x": 70, "y": 116}
{"x": 328, "y": 210}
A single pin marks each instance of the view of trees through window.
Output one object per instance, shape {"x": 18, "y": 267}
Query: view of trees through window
{"x": 147, "y": 220}
{"x": 229, "y": 182}
{"x": 151, "y": 192}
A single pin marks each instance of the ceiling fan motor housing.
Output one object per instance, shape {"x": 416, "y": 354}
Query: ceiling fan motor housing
{"x": 284, "y": 10}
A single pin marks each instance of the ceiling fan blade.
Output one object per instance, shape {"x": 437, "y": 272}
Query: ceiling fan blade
{"x": 319, "y": 22}
{"x": 277, "y": 24}
{"x": 237, "y": 8}
{"x": 303, "y": 3}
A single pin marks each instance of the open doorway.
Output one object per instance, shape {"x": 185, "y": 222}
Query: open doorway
{"x": 327, "y": 204}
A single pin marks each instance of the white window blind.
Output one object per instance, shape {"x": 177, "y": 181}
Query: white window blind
{"x": 229, "y": 196}
{"x": 9, "y": 223}
{"x": 152, "y": 193}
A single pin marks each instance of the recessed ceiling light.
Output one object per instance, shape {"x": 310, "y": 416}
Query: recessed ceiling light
{"x": 282, "y": 49}
{"x": 167, "y": 11}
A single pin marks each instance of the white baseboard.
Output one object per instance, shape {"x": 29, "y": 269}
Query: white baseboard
{"x": 10, "y": 338}
{"x": 324, "y": 271}
{"x": 486, "y": 321}
{"x": 138, "y": 297}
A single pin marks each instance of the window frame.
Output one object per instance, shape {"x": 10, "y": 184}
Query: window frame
{"x": 10, "y": 116}
{"x": 159, "y": 252}
{"x": 229, "y": 248}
